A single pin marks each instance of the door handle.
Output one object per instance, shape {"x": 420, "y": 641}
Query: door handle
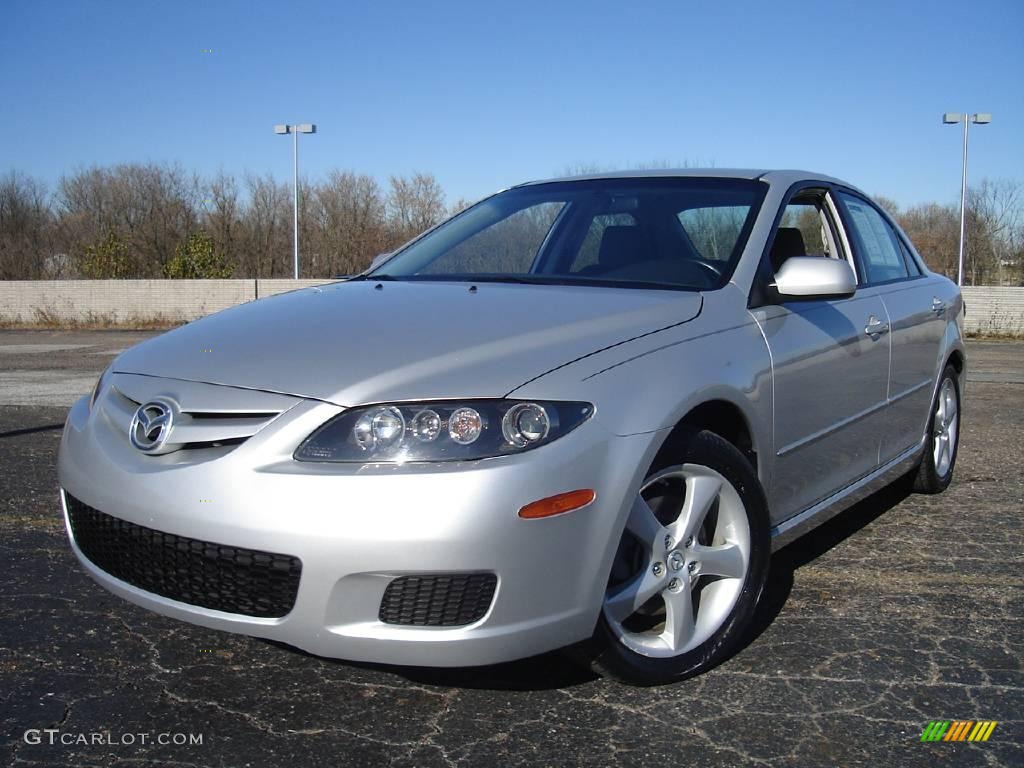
{"x": 938, "y": 306}
{"x": 875, "y": 327}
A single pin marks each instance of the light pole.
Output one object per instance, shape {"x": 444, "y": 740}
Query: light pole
{"x": 295, "y": 130}
{"x": 953, "y": 118}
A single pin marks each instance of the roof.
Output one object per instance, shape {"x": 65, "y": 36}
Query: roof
{"x": 784, "y": 177}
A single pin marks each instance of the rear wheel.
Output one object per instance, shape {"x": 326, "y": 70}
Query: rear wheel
{"x": 943, "y": 439}
{"x": 689, "y": 569}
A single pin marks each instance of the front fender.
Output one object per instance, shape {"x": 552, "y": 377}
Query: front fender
{"x": 650, "y": 386}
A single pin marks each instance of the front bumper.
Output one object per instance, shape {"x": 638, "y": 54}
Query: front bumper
{"x": 355, "y": 529}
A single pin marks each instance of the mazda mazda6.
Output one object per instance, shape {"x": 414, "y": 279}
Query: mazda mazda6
{"x": 582, "y": 412}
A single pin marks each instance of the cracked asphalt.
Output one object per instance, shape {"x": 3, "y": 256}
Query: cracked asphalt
{"x": 903, "y": 610}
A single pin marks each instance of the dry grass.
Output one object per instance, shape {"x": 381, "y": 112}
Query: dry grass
{"x": 995, "y": 335}
{"x": 48, "y": 319}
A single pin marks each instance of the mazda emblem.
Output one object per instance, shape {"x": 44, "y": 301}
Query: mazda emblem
{"x": 151, "y": 426}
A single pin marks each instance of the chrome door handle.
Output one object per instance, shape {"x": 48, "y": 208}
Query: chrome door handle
{"x": 938, "y": 306}
{"x": 875, "y": 327}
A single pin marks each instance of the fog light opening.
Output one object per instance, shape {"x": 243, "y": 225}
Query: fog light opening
{"x": 557, "y": 505}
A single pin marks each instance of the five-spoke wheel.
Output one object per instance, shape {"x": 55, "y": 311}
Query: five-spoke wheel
{"x": 935, "y": 471}
{"x": 686, "y": 555}
{"x": 690, "y": 565}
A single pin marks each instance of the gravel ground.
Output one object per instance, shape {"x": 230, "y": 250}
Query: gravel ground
{"x": 900, "y": 611}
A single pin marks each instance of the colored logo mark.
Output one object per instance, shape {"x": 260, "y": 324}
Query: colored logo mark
{"x": 958, "y": 730}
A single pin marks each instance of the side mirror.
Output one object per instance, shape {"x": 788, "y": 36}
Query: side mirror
{"x": 815, "y": 277}
{"x": 379, "y": 259}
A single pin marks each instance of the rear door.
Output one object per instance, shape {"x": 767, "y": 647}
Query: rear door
{"x": 916, "y": 316}
{"x": 830, "y": 360}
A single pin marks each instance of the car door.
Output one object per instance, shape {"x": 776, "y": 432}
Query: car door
{"x": 830, "y": 365}
{"x": 916, "y": 316}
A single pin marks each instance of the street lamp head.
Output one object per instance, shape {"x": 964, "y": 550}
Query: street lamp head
{"x": 952, "y": 117}
{"x": 306, "y": 128}
{"x": 282, "y": 128}
{"x": 983, "y": 117}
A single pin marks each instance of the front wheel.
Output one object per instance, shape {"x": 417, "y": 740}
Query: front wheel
{"x": 689, "y": 569}
{"x": 943, "y": 439}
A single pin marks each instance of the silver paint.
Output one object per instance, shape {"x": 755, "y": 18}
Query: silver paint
{"x": 834, "y": 407}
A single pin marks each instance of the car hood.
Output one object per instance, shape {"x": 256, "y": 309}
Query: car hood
{"x": 360, "y": 342}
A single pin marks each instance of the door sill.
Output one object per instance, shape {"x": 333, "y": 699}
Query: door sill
{"x": 796, "y": 526}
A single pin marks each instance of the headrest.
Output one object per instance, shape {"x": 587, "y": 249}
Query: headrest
{"x": 621, "y": 245}
{"x": 789, "y": 241}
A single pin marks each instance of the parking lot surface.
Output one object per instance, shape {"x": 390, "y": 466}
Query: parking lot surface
{"x": 903, "y": 610}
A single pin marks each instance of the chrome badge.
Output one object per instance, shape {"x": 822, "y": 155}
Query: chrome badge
{"x": 151, "y": 426}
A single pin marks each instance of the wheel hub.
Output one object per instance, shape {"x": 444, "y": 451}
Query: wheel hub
{"x": 675, "y": 560}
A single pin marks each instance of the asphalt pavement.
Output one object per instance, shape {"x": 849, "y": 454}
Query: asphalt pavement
{"x": 903, "y": 610}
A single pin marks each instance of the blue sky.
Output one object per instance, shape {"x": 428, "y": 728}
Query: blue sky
{"x": 486, "y": 95}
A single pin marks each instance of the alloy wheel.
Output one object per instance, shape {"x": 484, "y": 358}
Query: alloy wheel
{"x": 946, "y": 426}
{"x": 682, "y": 562}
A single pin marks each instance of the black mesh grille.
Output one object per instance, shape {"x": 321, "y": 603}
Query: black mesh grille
{"x": 448, "y": 600}
{"x": 230, "y": 579}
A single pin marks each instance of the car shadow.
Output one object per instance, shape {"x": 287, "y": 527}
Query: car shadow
{"x": 31, "y": 430}
{"x": 548, "y": 671}
{"x": 809, "y": 547}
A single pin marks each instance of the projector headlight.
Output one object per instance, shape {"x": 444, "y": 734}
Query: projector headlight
{"x": 441, "y": 431}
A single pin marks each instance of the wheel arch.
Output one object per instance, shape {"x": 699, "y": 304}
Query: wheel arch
{"x": 724, "y": 418}
{"x": 957, "y": 360}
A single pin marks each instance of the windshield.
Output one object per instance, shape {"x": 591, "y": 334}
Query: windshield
{"x": 682, "y": 233}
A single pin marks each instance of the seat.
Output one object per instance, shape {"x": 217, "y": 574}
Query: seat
{"x": 789, "y": 241}
{"x": 621, "y": 246}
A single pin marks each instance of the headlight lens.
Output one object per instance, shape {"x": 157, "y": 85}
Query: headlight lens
{"x": 441, "y": 431}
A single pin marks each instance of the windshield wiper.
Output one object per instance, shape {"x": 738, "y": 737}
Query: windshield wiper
{"x": 375, "y": 278}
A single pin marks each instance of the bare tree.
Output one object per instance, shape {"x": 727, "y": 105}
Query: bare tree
{"x": 267, "y": 222}
{"x": 133, "y": 220}
{"x": 996, "y": 231}
{"x": 221, "y": 218}
{"x": 935, "y": 231}
{"x": 350, "y": 218}
{"x": 26, "y": 230}
{"x": 414, "y": 204}
{"x": 151, "y": 208}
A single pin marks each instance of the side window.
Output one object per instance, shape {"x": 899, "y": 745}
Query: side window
{"x": 908, "y": 259}
{"x": 804, "y": 230}
{"x": 591, "y": 246}
{"x": 880, "y": 249}
{"x": 509, "y": 245}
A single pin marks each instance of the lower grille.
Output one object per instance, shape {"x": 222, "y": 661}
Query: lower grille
{"x": 449, "y": 600}
{"x": 201, "y": 573}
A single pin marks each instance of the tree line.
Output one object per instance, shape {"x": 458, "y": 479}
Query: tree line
{"x": 150, "y": 220}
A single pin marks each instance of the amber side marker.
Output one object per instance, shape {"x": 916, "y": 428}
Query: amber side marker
{"x": 557, "y": 505}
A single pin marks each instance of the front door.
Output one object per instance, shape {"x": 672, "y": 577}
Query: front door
{"x": 830, "y": 360}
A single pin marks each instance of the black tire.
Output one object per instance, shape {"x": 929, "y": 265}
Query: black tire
{"x": 611, "y": 657}
{"x": 927, "y": 478}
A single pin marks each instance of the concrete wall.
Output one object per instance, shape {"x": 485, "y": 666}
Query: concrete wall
{"x": 990, "y": 310}
{"x": 127, "y": 302}
{"x": 994, "y": 310}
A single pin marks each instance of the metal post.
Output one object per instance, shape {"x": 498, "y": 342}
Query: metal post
{"x": 963, "y": 204}
{"x": 295, "y": 191}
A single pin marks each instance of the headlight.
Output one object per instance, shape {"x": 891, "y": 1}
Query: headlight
{"x": 101, "y": 384}
{"x": 441, "y": 431}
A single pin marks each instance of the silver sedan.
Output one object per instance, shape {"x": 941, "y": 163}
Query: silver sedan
{"x": 586, "y": 409}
